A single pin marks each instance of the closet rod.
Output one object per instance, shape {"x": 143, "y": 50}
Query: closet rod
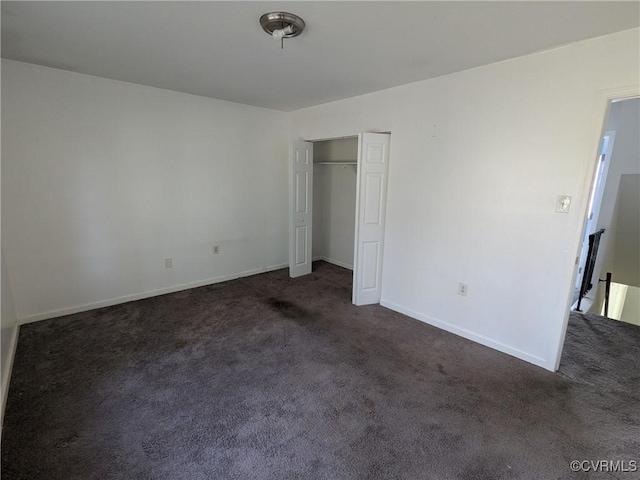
{"x": 337, "y": 163}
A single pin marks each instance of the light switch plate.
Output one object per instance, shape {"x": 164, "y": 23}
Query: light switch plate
{"x": 563, "y": 203}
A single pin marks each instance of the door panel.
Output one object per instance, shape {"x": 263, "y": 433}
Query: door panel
{"x": 301, "y": 209}
{"x": 302, "y": 187}
{"x": 370, "y": 264}
{"x": 373, "y": 168}
{"x": 301, "y": 244}
{"x": 373, "y": 198}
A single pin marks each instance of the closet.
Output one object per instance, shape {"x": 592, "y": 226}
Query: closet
{"x": 337, "y": 208}
{"x": 334, "y": 200}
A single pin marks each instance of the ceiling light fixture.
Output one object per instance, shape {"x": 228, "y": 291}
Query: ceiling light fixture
{"x": 281, "y": 25}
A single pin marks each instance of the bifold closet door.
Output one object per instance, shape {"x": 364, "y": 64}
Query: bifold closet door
{"x": 371, "y": 200}
{"x": 301, "y": 209}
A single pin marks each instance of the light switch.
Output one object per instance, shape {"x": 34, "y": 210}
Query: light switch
{"x": 562, "y": 204}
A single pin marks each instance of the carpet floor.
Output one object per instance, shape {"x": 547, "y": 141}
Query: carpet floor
{"x": 603, "y": 353}
{"x": 268, "y": 377}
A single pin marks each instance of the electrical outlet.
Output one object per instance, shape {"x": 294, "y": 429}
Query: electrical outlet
{"x": 216, "y": 249}
{"x": 463, "y": 288}
{"x": 168, "y": 263}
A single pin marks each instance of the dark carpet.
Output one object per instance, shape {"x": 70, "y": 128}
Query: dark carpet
{"x": 603, "y": 353}
{"x": 269, "y": 377}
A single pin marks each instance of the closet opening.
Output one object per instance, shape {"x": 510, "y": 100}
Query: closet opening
{"x": 334, "y": 201}
{"x": 338, "y": 196}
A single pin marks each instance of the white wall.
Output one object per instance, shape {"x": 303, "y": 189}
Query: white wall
{"x": 631, "y": 308}
{"x": 626, "y": 262}
{"x": 334, "y": 201}
{"x": 8, "y": 335}
{"x": 102, "y": 180}
{"x": 624, "y": 304}
{"x": 477, "y": 161}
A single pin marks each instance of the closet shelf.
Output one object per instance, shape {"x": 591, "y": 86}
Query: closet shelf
{"x": 344, "y": 162}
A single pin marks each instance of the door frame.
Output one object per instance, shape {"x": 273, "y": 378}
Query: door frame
{"x": 358, "y": 166}
{"x": 597, "y": 192}
{"x": 603, "y": 101}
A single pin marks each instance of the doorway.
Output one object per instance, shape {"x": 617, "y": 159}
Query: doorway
{"x": 349, "y": 228}
{"x": 603, "y": 334}
{"x": 611, "y": 229}
{"x": 591, "y": 236}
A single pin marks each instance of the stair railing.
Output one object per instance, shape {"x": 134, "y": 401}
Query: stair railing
{"x": 607, "y": 292}
{"x": 587, "y": 273}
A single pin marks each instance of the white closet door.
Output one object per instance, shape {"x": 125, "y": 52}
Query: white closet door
{"x": 301, "y": 209}
{"x": 371, "y": 200}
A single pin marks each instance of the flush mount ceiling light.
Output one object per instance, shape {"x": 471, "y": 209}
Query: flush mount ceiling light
{"x": 281, "y": 25}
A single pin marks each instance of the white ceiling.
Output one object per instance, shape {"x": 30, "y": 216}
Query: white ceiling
{"x": 218, "y": 49}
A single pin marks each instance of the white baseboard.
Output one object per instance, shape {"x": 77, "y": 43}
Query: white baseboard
{"x": 334, "y": 262}
{"x": 469, "y": 335}
{"x": 139, "y": 296}
{"x": 6, "y": 375}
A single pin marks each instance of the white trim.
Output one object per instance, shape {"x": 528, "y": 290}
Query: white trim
{"x": 334, "y": 262}
{"x": 139, "y": 296}
{"x": 6, "y": 375}
{"x": 468, "y": 334}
